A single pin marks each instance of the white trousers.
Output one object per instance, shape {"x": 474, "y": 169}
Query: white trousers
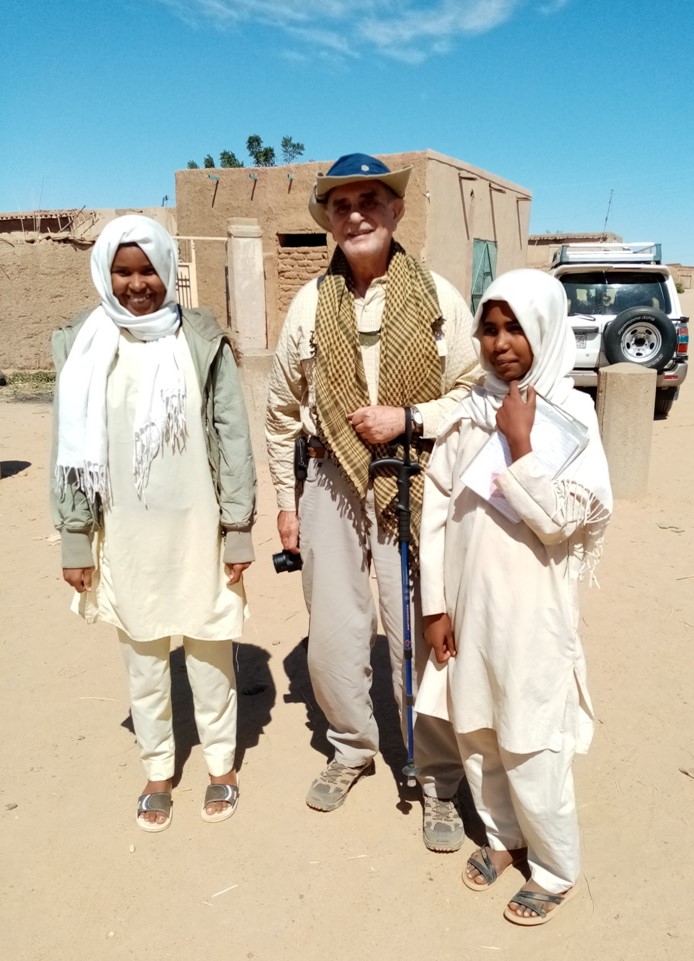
{"x": 339, "y": 542}
{"x": 527, "y": 800}
{"x": 210, "y": 667}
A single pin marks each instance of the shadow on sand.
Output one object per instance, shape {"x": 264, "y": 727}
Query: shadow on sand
{"x": 8, "y": 468}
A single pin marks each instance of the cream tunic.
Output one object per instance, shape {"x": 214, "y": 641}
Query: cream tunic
{"x": 159, "y": 562}
{"x": 511, "y": 593}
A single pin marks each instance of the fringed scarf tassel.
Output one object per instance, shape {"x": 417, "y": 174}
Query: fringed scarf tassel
{"x": 149, "y": 439}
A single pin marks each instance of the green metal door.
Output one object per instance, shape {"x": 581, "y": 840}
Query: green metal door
{"x": 483, "y": 269}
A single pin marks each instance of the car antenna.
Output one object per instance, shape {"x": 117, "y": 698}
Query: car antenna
{"x": 609, "y": 204}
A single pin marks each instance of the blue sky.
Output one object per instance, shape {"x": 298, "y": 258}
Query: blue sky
{"x": 576, "y": 100}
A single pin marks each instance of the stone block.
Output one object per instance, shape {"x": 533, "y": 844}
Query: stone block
{"x": 625, "y": 403}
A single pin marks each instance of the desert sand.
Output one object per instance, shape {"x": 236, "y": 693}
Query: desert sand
{"x": 280, "y": 882}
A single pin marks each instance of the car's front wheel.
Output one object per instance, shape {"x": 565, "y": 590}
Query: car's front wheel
{"x": 641, "y": 335}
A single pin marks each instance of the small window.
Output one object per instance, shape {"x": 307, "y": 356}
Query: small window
{"x": 302, "y": 240}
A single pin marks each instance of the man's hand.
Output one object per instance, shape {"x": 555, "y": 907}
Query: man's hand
{"x": 234, "y": 572}
{"x": 288, "y": 527}
{"x": 515, "y": 419}
{"x": 78, "y": 577}
{"x": 378, "y": 424}
{"x": 438, "y": 633}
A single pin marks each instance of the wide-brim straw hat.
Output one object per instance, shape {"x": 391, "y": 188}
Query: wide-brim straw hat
{"x": 353, "y": 168}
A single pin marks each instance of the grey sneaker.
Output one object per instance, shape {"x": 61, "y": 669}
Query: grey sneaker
{"x": 443, "y": 828}
{"x": 331, "y": 787}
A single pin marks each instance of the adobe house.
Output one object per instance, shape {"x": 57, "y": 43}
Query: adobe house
{"x": 253, "y": 243}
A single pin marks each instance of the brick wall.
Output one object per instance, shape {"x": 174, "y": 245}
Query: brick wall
{"x": 296, "y": 266}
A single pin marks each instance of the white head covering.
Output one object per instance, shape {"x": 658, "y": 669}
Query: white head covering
{"x": 539, "y": 303}
{"x": 161, "y": 251}
{"x": 160, "y": 411}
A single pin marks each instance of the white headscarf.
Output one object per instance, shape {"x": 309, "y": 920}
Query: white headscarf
{"x": 539, "y": 303}
{"x": 160, "y": 410}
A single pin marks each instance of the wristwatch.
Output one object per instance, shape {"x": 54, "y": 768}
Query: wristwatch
{"x": 417, "y": 422}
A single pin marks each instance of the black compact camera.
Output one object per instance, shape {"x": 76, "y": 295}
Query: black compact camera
{"x": 286, "y": 562}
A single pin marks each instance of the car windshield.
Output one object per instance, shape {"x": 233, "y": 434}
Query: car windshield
{"x": 611, "y": 292}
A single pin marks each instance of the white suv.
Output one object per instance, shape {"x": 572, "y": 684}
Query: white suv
{"x": 623, "y": 306}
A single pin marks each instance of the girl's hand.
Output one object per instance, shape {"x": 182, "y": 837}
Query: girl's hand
{"x": 515, "y": 419}
{"x": 78, "y": 577}
{"x": 234, "y": 572}
{"x": 438, "y": 633}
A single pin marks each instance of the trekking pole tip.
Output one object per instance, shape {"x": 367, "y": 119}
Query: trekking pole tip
{"x": 410, "y": 772}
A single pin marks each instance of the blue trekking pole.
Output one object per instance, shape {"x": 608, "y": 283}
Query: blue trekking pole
{"x": 406, "y": 468}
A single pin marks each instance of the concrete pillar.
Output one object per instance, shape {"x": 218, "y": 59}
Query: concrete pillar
{"x": 246, "y": 283}
{"x": 255, "y": 375}
{"x": 626, "y": 398}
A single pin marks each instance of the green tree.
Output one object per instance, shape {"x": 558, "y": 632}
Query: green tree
{"x": 291, "y": 149}
{"x": 228, "y": 158}
{"x": 262, "y": 156}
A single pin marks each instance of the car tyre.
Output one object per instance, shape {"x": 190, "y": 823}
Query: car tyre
{"x": 641, "y": 335}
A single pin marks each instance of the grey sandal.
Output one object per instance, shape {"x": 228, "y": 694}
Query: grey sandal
{"x": 159, "y": 802}
{"x": 535, "y": 901}
{"x": 229, "y": 793}
{"x": 486, "y": 868}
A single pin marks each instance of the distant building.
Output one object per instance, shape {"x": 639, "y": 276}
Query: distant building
{"x": 542, "y": 247}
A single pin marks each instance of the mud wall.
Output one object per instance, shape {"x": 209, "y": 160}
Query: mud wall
{"x": 42, "y": 286}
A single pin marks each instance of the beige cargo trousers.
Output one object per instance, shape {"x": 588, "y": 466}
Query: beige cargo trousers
{"x": 339, "y": 543}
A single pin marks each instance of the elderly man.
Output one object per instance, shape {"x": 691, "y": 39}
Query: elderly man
{"x": 376, "y": 334}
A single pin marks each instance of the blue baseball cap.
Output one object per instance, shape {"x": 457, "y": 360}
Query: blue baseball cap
{"x": 353, "y": 168}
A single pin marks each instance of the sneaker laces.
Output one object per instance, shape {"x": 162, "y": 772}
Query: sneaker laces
{"x": 335, "y": 771}
{"x": 441, "y": 810}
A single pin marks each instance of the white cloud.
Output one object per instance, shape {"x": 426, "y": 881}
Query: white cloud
{"x": 408, "y": 30}
{"x": 326, "y": 40}
{"x": 420, "y": 30}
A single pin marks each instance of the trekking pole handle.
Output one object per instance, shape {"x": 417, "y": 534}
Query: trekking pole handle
{"x": 406, "y": 469}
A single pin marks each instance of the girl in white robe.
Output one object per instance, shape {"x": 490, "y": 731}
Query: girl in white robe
{"x": 499, "y": 595}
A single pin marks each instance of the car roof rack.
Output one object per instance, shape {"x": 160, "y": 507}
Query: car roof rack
{"x": 645, "y": 252}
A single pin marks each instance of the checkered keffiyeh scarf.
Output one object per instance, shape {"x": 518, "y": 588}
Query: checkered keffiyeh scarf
{"x": 409, "y": 372}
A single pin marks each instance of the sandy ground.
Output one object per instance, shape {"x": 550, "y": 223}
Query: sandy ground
{"x": 278, "y": 881}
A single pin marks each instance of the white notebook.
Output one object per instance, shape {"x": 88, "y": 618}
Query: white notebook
{"x": 557, "y": 439}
